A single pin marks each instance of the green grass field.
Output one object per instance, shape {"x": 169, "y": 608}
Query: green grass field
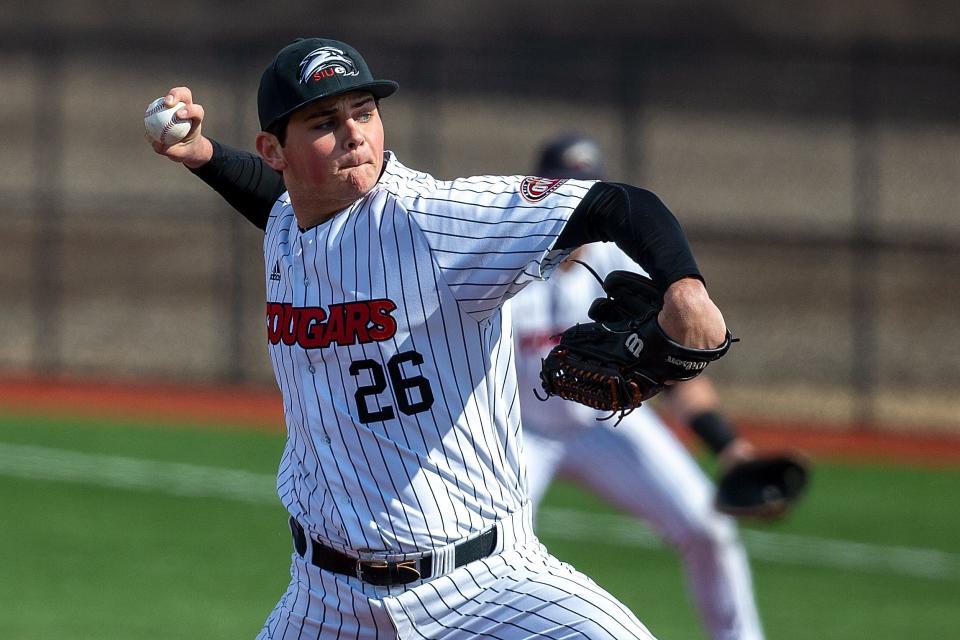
{"x": 112, "y": 530}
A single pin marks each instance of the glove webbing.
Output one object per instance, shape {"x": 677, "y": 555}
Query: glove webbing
{"x": 594, "y": 388}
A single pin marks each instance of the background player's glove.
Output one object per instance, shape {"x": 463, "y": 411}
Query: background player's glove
{"x": 765, "y": 487}
{"x": 623, "y": 357}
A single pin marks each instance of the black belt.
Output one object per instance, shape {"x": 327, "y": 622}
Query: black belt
{"x": 385, "y": 574}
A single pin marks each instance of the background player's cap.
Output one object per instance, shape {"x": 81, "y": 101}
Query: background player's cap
{"x": 309, "y": 69}
{"x": 571, "y": 155}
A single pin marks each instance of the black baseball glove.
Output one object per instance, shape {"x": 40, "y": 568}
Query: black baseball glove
{"x": 623, "y": 357}
{"x": 766, "y": 487}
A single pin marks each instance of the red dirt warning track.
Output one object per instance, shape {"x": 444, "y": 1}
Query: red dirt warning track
{"x": 222, "y": 406}
{"x": 258, "y": 408}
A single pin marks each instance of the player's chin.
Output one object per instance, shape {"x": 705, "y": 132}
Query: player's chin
{"x": 359, "y": 179}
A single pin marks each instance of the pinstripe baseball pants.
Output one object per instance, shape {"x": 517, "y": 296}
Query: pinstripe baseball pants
{"x": 520, "y": 591}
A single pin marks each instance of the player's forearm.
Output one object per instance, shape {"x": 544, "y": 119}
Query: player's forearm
{"x": 640, "y": 224}
{"x": 244, "y": 181}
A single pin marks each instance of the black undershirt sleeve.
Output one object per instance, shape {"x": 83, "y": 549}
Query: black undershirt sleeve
{"x": 641, "y": 226}
{"x": 244, "y": 180}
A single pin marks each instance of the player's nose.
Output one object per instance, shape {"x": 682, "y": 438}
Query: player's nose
{"x": 353, "y": 134}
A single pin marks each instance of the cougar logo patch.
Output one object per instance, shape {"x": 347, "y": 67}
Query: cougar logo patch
{"x": 536, "y": 189}
{"x": 324, "y": 63}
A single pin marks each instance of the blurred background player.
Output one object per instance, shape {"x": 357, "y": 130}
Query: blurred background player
{"x": 639, "y": 465}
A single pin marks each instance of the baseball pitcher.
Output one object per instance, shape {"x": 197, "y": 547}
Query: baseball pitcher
{"x": 403, "y": 471}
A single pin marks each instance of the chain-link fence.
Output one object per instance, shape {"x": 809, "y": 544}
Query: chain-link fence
{"x": 819, "y": 187}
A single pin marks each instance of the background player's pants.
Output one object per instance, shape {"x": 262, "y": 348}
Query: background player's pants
{"x": 523, "y": 592}
{"x": 640, "y": 467}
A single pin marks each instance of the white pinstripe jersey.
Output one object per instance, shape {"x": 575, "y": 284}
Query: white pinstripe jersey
{"x": 395, "y": 356}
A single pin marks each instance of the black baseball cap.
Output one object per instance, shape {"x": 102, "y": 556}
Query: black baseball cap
{"x": 309, "y": 69}
{"x": 571, "y": 155}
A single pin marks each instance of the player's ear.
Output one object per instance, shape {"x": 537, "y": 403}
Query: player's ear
{"x": 269, "y": 148}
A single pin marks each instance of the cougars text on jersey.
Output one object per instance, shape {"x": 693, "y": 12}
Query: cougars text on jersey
{"x": 346, "y": 323}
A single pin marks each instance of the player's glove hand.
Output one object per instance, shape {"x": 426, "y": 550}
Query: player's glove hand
{"x": 622, "y": 358}
{"x": 765, "y": 487}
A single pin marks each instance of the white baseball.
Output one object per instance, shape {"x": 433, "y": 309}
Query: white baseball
{"x": 162, "y": 123}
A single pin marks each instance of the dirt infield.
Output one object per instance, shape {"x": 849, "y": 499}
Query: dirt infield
{"x": 259, "y": 408}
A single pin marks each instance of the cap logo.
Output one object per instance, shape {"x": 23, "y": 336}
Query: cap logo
{"x": 535, "y": 189}
{"x": 324, "y": 63}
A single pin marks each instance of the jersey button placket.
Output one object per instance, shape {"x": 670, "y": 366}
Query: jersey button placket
{"x": 301, "y": 296}
{"x": 299, "y": 275}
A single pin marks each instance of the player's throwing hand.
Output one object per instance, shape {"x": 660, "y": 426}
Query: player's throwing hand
{"x": 193, "y": 150}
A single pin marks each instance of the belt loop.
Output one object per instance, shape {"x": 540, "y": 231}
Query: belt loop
{"x": 443, "y": 560}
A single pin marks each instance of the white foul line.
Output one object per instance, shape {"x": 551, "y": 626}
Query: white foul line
{"x": 118, "y": 472}
{"x": 175, "y": 478}
{"x": 762, "y": 545}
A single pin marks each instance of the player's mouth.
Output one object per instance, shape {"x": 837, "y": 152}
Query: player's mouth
{"x": 353, "y": 164}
